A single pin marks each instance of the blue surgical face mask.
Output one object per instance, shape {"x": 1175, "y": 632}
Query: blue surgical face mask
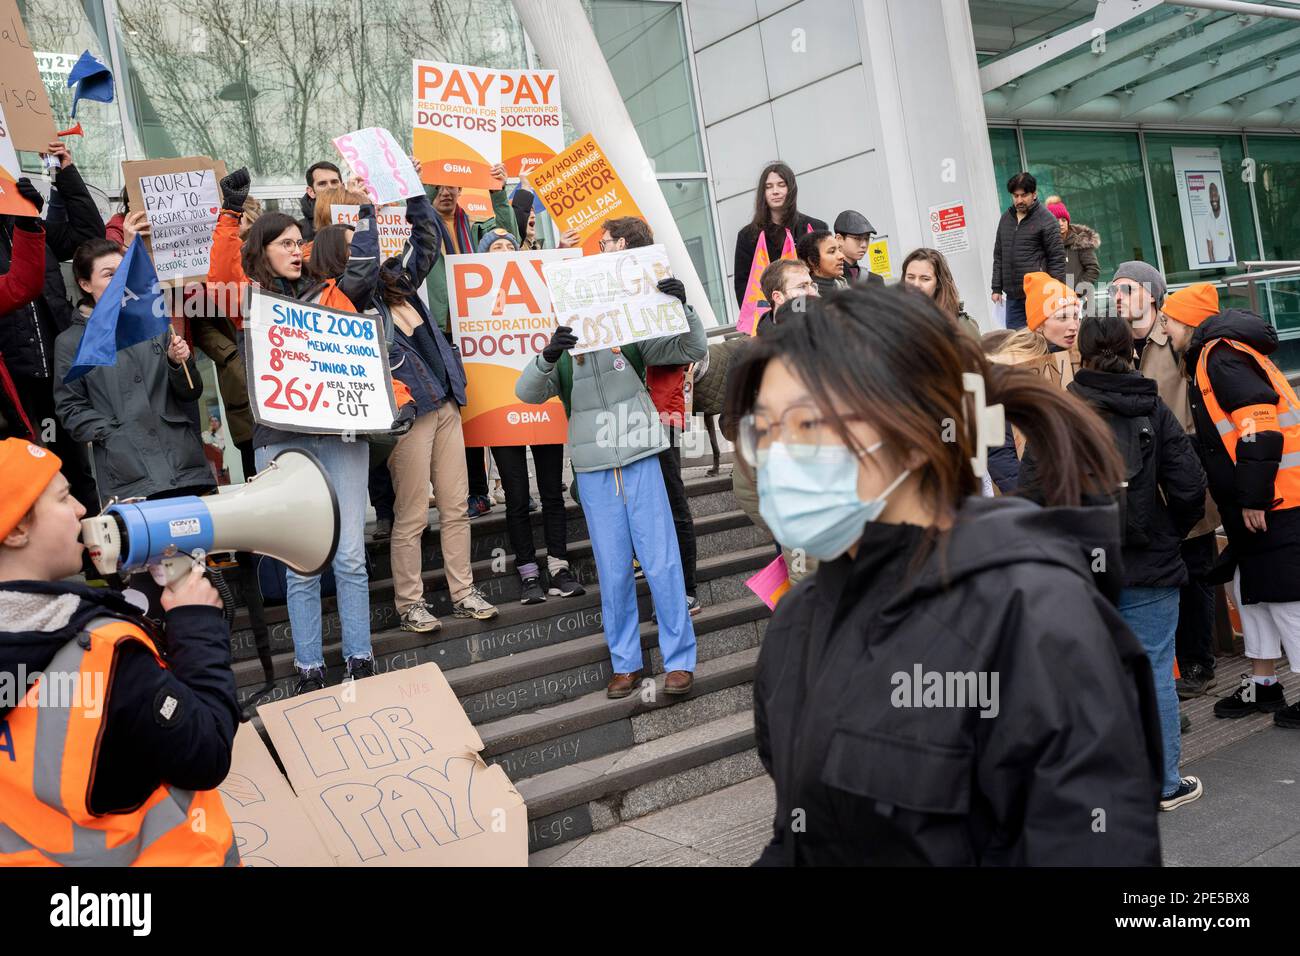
{"x": 811, "y": 502}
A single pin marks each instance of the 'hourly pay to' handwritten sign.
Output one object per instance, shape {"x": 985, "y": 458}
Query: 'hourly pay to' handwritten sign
{"x": 612, "y": 299}
{"x": 313, "y": 369}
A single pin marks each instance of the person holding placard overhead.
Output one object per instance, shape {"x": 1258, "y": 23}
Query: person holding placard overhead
{"x": 621, "y": 485}
{"x": 272, "y": 257}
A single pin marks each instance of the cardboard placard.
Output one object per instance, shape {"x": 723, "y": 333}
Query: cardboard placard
{"x": 271, "y": 826}
{"x": 611, "y": 299}
{"x": 381, "y": 164}
{"x": 316, "y": 370}
{"x": 388, "y": 768}
{"x": 22, "y": 91}
{"x": 182, "y": 198}
{"x": 581, "y": 189}
{"x": 501, "y": 317}
{"x": 456, "y": 129}
{"x": 11, "y": 201}
{"x": 532, "y": 125}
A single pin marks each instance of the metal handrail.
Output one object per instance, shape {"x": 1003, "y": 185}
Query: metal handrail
{"x": 1286, "y": 272}
{"x": 1249, "y": 264}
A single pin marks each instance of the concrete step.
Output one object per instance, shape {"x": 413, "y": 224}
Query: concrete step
{"x": 523, "y": 628}
{"x": 590, "y": 795}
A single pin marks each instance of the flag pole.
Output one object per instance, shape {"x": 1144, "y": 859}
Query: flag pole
{"x": 185, "y": 365}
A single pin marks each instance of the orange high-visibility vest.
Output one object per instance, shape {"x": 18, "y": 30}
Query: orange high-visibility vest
{"x": 48, "y": 748}
{"x": 1283, "y": 417}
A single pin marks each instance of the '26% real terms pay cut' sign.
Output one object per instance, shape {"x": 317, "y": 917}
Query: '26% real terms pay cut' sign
{"x": 317, "y": 370}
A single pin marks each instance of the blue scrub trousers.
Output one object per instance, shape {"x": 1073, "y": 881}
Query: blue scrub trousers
{"x": 627, "y": 508}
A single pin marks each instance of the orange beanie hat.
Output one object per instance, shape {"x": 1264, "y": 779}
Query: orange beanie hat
{"x": 1043, "y": 296}
{"x": 25, "y": 472}
{"x": 1193, "y": 305}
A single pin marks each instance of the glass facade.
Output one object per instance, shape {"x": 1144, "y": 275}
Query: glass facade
{"x": 1277, "y": 193}
{"x": 1006, "y": 159}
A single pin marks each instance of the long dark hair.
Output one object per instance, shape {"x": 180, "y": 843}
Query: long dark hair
{"x": 889, "y": 357}
{"x": 330, "y": 248}
{"x": 1106, "y": 344}
{"x": 790, "y": 211}
{"x": 83, "y": 263}
{"x": 945, "y": 287}
{"x": 268, "y": 228}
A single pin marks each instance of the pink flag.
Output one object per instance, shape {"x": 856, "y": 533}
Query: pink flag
{"x": 771, "y": 583}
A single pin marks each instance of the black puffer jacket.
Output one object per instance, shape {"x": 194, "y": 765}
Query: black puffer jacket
{"x": 307, "y": 224}
{"x": 1269, "y": 560}
{"x": 747, "y": 245}
{"x": 1065, "y": 773}
{"x": 1166, "y": 497}
{"x": 1032, "y": 244}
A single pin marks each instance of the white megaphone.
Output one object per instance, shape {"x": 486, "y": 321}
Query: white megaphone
{"x": 287, "y": 511}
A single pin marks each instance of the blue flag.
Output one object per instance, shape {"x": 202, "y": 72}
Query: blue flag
{"x": 130, "y": 311}
{"x": 92, "y": 79}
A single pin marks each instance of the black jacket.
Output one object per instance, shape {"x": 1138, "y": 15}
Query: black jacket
{"x": 189, "y": 745}
{"x": 747, "y": 245}
{"x": 1269, "y": 560}
{"x": 307, "y": 224}
{"x": 1164, "y": 499}
{"x": 864, "y": 776}
{"x": 27, "y": 335}
{"x": 1032, "y": 244}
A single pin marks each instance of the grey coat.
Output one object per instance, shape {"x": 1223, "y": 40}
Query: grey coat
{"x": 613, "y": 422}
{"x": 146, "y": 440}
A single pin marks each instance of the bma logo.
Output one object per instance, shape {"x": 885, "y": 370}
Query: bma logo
{"x": 529, "y": 418}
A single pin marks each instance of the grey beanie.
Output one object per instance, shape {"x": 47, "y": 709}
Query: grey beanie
{"x": 1146, "y": 275}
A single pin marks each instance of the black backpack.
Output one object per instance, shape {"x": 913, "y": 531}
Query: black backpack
{"x": 1136, "y": 440}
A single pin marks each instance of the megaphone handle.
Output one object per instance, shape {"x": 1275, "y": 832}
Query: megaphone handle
{"x": 175, "y": 568}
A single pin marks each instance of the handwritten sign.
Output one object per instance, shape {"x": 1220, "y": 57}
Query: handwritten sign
{"x": 611, "y": 300}
{"x": 11, "y": 201}
{"x": 390, "y": 773}
{"x": 182, "y": 200}
{"x": 317, "y": 370}
{"x": 501, "y": 316}
{"x": 381, "y": 164}
{"x": 22, "y": 91}
{"x": 456, "y": 123}
{"x": 271, "y": 826}
{"x": 581, "y": 189}
{"x": 532, "y": 127}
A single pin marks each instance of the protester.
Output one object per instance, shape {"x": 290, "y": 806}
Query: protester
{"x": 621, "y": 486}
{"x": 926, "y": 270}
{"x": 24, "y": 278}
{"x": 1248, "y": 429}
{"x": 272, "y": 256}
{"x": 134, "y": 771}
{"x": 777, "y": 222}
{"x": 320, "y": 177}
{"x": 28, "y": 332}
{"x": 512, "y": 464}
{"x": 1028, "y": 240}
{"x": 854, "y": 233}
{"x": 843, "y": 417}
{"x": 1138, "y": 291}
{"x": 820, "y": 252}
{"x": 526, "y": 220}
{"x": 783, "y": 280}
{"x": 1081, "y": 244}
{"x": 1163, "y": 498}
{"x": 433, "y": 451}
{"x": 666, "y": 385}
{"x": 1052, "y": 310}
{"x": 138, "y": 413}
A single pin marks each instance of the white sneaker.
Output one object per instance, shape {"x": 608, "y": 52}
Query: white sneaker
{"x": 475, "y": 605}
{"x": 418, "y": 618}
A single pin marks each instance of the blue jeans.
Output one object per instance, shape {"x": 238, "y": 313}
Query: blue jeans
{"x": 1015, "y": 313}
{"x": 1152, "y": 614}
{"x": 348, "y": 466}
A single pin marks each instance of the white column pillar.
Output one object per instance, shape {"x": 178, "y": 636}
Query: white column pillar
{"x": 564, "y": 41}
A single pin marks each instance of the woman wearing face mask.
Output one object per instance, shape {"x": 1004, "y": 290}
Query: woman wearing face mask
{"x": 926, "y": 271}
{"x": 820, "y": 252}
{"x": 777, "y": 223}
{"x": 950, "y": 688}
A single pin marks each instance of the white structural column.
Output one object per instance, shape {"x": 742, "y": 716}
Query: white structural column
{"x": 924, "y": 83}
{"x": 564, "y": 41}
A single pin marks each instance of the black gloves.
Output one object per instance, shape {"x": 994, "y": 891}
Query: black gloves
{"x": 562, "y": 340}
{"x": 234, "y": 189}
{"x": 33, "y": 196}
{"x": 404, "y": 421}
{"x": 674, "y": 288}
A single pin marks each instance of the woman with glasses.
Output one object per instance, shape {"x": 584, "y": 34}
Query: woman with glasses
{"x": 951, "y": 687}
{"x": 346, "y": 276}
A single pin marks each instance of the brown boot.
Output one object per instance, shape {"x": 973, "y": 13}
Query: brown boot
{"x": 678, "y": 683}
{"x": 622, "y": 685}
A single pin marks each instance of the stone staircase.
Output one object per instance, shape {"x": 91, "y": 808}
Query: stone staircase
{"x": 533, "y": 680}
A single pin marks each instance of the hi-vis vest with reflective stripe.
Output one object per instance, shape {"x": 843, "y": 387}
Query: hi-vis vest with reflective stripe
{"x": 47, "y": 771}
{"x": 1247, "y": 421}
